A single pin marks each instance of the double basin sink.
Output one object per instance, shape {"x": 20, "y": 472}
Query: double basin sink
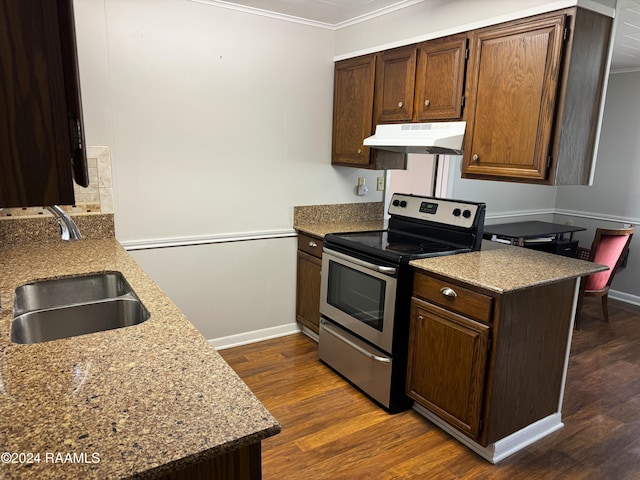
{"x": 66, "y": 307}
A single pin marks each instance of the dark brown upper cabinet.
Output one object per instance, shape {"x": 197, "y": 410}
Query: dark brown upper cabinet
{"x": 534, "y": 91}
{"x": 440, "y": 74}
{"x": 354, "y": 81}
{"x": 418, "y": 83}
{"x": 530, "y": 91}
{"x": 421, "y": 82}
{"x": 352, "y": 110}
{"x": 42, "y": 148}
{"x": 395, "y": 83}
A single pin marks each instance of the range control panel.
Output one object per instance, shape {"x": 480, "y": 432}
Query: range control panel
{"x": 440, "y": 210}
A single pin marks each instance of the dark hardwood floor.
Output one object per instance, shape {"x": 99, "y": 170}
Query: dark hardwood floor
{"x": 331, "y": 431}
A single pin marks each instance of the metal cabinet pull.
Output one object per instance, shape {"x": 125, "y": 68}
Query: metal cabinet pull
{"x": 475, "y": 158}
{"x": 427, "y": 103}
{"x": 359, "y": 151}
{"x": 420, "y": 317}
{"x": 400, "y": 104}
{"x": 448, "y": 292}
{"x": 313, "y": 244}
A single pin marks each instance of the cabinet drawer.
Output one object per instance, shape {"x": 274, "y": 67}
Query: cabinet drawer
{"x": 453, "y": 297}
{"x": 310, "y": 245}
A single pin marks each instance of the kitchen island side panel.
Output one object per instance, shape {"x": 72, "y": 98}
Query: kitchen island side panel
{"x": 530, "y": 342}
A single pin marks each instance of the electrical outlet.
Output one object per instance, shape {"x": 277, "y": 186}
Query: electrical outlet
{"x": 380, "y": 183}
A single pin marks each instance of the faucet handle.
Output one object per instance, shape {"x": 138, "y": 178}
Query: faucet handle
{"x": 69, "y": 231}
{"x": 64, "y": 231}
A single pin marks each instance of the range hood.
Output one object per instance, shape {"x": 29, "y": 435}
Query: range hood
{"x": 436, "y": 138}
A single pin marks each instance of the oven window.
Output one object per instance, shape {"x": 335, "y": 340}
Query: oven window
{"x": 357, "y": 294}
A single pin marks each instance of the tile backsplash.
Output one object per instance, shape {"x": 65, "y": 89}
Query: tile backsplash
{"x": 96, "y": 198}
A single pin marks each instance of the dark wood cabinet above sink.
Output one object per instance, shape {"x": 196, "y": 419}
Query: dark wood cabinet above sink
{"x": 41, "y": 125}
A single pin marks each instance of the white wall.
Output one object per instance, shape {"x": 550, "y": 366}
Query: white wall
{"x": 229, "y": 288}
{"x": 219, "y": 123}
{"x": 210, "y": 108}
{"x": 418, "y": 178}
{"x": 505, "y": 201}
{"x": 615, "y": 191}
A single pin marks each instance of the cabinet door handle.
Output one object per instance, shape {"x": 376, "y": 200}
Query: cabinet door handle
{"x": 475, "y": 158}
{"x": 359, "y": 151}
{"x": 427, "y": 103}
{"x": 400, "y": 104}
{"x": 313, "y": 244}
{"x": 448, "y": 292}
{"x": 420, "y": 317}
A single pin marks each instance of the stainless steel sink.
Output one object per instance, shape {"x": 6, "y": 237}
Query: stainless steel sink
{"x": 70, "y": 321}
{"x": 67, "y": 307}
{"x": 64, "y": 291}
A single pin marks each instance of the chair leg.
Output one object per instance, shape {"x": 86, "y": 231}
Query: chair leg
{"x": 605, "y": 308}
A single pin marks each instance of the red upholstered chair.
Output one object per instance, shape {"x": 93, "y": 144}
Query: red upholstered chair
{"x": 609, "y": 247}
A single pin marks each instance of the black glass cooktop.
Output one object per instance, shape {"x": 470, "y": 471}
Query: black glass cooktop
{"x": 391, "y": 245}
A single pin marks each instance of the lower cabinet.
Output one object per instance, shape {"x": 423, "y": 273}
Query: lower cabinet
{"x": 309, "y": 266}
{"x": 487, "y": 363}
{"x": 245, "y": 463}
{"x": 447, "y": 364}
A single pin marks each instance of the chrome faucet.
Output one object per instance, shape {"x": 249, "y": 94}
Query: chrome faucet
{"x": 68, "y": 229}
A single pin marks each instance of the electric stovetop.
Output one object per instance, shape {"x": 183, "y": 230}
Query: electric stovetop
{"x": 394, "y": 246}
{"x": 419, "y": 227}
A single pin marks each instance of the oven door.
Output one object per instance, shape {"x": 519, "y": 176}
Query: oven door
{"x": 359, "y": 296}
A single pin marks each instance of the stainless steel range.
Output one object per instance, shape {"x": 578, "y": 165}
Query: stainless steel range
{"x": 367, "y": 283}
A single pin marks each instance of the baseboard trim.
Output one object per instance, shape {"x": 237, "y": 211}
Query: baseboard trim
{"x": 598, "y": 216}
{"x": 505, "y": 447}
{"x": 624, "y": 297}
{"x": 520, "y": 213}
{"x": 566, "y": 213}
{"x": 254, "y": 336}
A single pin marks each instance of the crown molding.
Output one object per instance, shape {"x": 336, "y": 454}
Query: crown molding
{"x": 303, "y": 21}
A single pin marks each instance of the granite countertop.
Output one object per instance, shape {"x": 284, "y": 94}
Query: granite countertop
{"x": 320, "y": 229}
{"x": 319, "y": 220}
{"x": 504, "y": 268}
{"x": 136, "y": 401}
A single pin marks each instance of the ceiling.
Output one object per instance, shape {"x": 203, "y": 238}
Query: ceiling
{"x": 338, "y": 13}
{"x": 626, "y": 46}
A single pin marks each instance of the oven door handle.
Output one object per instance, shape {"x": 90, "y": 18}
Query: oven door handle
{"x": 377, "y": 358}
{"x": 376, "y": 268}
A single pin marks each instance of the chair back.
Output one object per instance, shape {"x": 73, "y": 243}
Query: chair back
{"x": 609, "y": 247}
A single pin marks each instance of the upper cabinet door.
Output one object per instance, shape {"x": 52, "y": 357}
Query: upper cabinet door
{"x": 440, "y": 75}
{"x": 352, "y": 110}
{"x": 40, "y": 119}
{"x": 395, "y": 81}
{"x": 512, "y": 89}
